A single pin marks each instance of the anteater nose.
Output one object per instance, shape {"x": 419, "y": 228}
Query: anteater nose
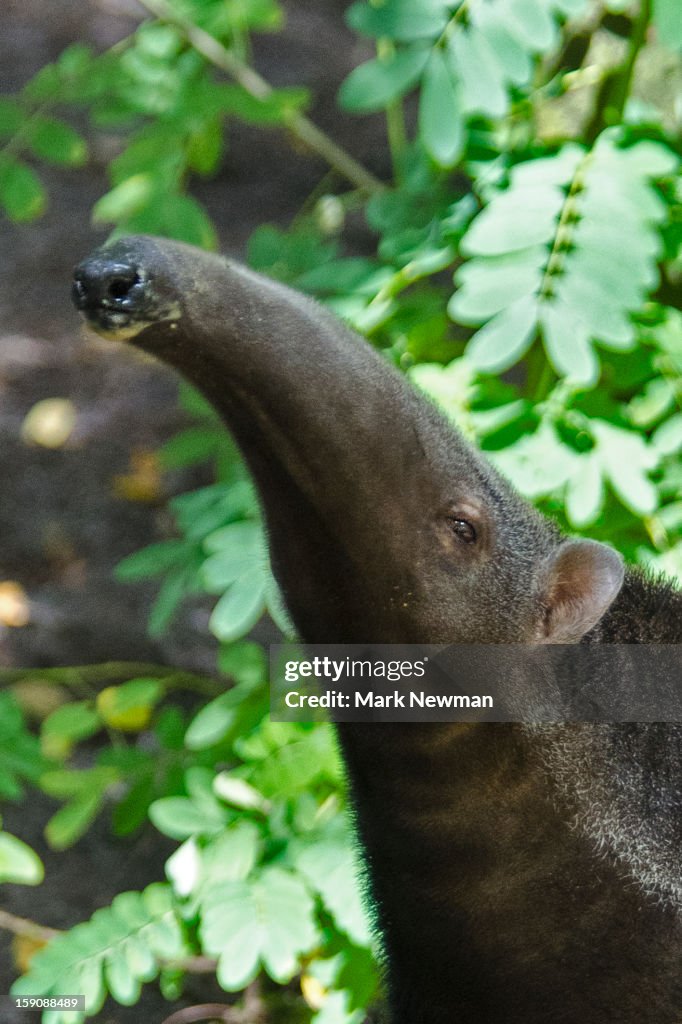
{"x": 99, "y": 282}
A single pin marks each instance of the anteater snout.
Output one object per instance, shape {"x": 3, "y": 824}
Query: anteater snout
{"x": 101, "y": 283}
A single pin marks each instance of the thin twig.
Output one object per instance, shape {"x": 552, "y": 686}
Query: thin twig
{"x": 206, "y": 1012}
{"x": 637, "y": 40}
{"x": 249, "y": 79}
{"x": 111, "y": 671}
{"x": 192, "y": 964}
{"x": 615, "y": 89}
{"x": 25, "y": 928}
{"x": 251, "y": 1011}
{"x": 42, "y": 933}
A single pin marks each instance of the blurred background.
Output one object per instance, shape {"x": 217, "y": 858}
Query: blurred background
{"x": 90, "y": 489}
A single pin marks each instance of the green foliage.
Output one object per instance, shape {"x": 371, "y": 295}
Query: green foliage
{"x": 18, "y": 862}
{"x": 468, "y": 58}
{"x": 21, "y": 760}
{"x": 551, "y": 194}
{"x": 116, "y": 951}
{"x": 223, "y": 550}
{"x": 569, "y": 248}
{"x": 171, "y": 115}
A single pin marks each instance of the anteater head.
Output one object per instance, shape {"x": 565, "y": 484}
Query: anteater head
{"x": 384, "y": 523}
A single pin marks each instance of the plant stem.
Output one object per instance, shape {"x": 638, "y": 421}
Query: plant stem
{"x": 25, "y": 928}
{"x": 252, "y": 1011}
{"x": 74, "y": 676}
{"x": 615, "y": 89}
{"x": 622, "y": 84}
{"x": 545, "y": 379}
{"x": 397, "y": 136}
{"x": 249, "y": 79}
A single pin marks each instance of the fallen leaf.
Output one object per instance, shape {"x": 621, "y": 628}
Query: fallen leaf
{"x": 49, "y": 423}
{"x": 144, "y": 482}
{"x": 23, "y": 951}
{"x": 14, "y": 604}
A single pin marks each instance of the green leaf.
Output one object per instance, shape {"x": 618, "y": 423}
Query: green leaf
{"x": 330, "y": 864}
{"x": 657, "y": 398}
{"x": 11, "y": 117}
{"x": 516, "y": 219}
{"x": 186, "y": 220}
{"x": 402, "y": 20}
{"x": 130, "y": 813}
{"x": 18, "y": 862}
{"x": 513, "y": 59}
{"x": 668, "y": 438}
{"x": 372, "y": 86}
{"x": 20, "y": 754}
{"x": 157, "y": 40}
{"x": 205, "y": 147}
{"x": 531, "y": 22}
{"x": 488, "y": 286}
{"x": 157, "y": 151}
{"x": 538, "y": 464}
{"x": 585, "y": 492}
{"x": 240, "y": 550}
{"x": 260, "y": 15}
{"x": 273, "y": 109}
{"x": 602, "y": 315}
{"x": 667, "y": 23}
{"x": 298, "y": 763}
{"x": 21, "y": 191}
{"x": 646, "y": 158}
{"x": 505, "y": 338}
{"x": 57, "y": 142}
{"x": 218, "y": 718}
{"x": 239, "y": 793}
{"x": 593, "y": 221}
{"x": 74, "y": 721}
{"x": 190, "y": 447}
{"x": 129, "y": 706}
{"x": 231, "y": 855}
{"x": 179, "y": 817}
{"x": 240, "y": 608}
{"x": 554, "y": 171}
{"x": 123, "y": 985}
{"x": 172, "y": 593}
{"x": 335, "y": 1010}
{"x": 626, "y": 461}
{"x": 245, "y": 662}
{"x": 124, "y": 200}
{"x": 125, "y": 939}
{"x": 440, "y": 118}
{"x": 74, "y": 819}
{"x": 481, "y": 76}
{"x": 269, "y": 921}
{"x": 567, "y": 343}
{"x": 153, "y": 560}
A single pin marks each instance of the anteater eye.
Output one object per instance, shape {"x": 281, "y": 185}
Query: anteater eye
{"x": 463, "y": 530}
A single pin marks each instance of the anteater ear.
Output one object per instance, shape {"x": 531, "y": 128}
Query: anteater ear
{"x": 581, "y": 579}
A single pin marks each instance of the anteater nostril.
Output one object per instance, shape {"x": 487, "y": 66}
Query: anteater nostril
{"x": 120, "y": 285}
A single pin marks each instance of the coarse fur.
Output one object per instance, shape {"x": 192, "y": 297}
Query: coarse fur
{"x": 519, "y": 875}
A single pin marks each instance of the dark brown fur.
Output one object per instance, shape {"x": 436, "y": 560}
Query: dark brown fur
{"x": 506, "y": 864}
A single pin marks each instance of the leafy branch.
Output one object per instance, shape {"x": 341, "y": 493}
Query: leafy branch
{"x": 74, "y": 676}
{"x": 255, "y": 85}
{"x": 42, "y": 934}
